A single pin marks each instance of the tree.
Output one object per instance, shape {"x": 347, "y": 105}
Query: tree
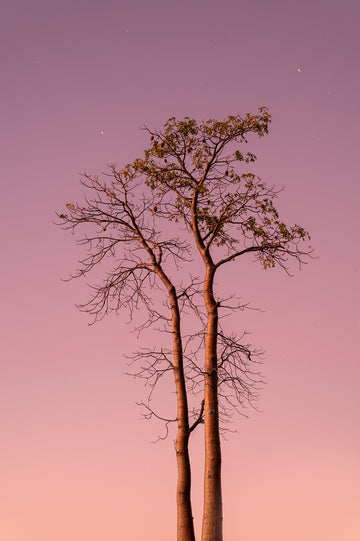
{"x": 190, "y": 196}
{"x": 124, "y": 223}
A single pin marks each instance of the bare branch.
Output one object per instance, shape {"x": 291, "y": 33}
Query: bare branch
{"x": 200, "y": 418}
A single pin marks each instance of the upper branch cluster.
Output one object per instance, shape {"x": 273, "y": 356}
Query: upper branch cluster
{"x": 123, "y": 237}
{"x": 197, "y": 175}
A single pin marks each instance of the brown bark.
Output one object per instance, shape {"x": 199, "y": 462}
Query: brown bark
{"x": 185, "y": 525}
{"x": 212, "y": 516}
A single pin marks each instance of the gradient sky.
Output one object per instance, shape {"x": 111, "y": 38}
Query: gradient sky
{"x": 77, "y": 81}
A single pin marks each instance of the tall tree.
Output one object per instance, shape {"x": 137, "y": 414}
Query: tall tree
{"x": 123, "y": 228}
{"x": 196, "y": 176}
{"x": 196, "y": 170}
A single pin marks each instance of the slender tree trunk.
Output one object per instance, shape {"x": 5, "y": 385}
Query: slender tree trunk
{"x": 185, "y": 525}
{"x": 212, "y": 516}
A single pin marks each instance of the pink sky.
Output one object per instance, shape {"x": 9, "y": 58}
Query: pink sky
{"x": 77, "y": 81}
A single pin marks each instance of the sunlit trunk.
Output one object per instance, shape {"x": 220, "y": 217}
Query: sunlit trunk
{"x": 212, "y": 516}
{"x": 185, "y": 525}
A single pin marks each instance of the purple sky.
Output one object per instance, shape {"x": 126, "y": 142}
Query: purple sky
{"x": 77, "y": 81}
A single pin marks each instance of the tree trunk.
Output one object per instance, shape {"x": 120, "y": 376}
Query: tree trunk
{"x": 212, "y": 516}
{"x": 185, "y": 525}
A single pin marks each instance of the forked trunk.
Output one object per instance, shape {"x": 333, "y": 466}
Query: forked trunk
{"x": 212, "y": 516}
